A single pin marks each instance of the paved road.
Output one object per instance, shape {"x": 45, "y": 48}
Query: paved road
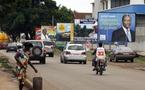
{"x": 74, "y": 76}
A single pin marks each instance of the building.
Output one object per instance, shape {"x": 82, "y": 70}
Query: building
{"x": 78, "y": 15}
{"x": 125, "y": 6}
{"x": 100, "y": 5}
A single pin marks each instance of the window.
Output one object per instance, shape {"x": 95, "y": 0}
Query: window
{"x": 75, "y": 47}
{"x": 117, "y": 3}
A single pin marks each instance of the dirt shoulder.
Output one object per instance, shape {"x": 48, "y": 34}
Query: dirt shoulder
{"x": 8, "y": 81}
{"x": 135, "y": 65}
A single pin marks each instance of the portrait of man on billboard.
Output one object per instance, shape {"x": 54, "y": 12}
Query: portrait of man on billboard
{"x": 124, "y": 33}
{"x": 45, "y": 35}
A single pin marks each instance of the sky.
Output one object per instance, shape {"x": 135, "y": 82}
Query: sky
{"x": 77, "y": 5}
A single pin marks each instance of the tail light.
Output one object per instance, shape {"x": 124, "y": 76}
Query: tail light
{"x": 67, "y": 52}
{"x": 83, "y": 53}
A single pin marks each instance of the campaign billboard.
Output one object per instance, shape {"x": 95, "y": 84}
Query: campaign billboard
{"x": 116, "y": 27}
{"x": 48, "y": 33}
{"x": 65, "y": 32}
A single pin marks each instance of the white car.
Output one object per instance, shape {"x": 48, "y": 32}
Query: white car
{"x": 74, "y": 53}
{"x": 49, "y": 48}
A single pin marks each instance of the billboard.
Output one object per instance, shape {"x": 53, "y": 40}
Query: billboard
{"x": 48, "y": 33}
{"x": 116, "y": 27}
{"x": 65, "y": 32}
{"x": 85, "y": 30}
{"x": 37, "y": 33}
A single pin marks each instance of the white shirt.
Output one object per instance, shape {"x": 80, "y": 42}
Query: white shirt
{"x": 128, "y": 33}
{"x": 44, "y": 37}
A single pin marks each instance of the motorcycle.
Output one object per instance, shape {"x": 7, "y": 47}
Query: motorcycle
{"x": 100, "y": 67}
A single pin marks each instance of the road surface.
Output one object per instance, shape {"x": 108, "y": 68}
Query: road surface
{"x": 73, "y": 76}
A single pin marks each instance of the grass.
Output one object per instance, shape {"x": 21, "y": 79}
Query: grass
{"x": 140, "y": 60}
{"x": 4, "y": 63}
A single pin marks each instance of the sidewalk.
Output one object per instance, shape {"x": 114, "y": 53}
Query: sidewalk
{"x": 7, "y": 82}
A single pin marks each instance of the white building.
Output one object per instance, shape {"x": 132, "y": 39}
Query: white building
{"x": 100, "y": 5}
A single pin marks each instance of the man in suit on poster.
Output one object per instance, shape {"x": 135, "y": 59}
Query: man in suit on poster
{"x": 124, "y": 34}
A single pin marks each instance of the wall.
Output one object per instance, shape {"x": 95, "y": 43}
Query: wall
{"x": 136, "y": 1}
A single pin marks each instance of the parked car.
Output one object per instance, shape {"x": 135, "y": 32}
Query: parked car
{"x": 74, "y": 53}
{"x": 11, "y": 47}
{"x": 122, "y": 53}
{"x": 49, "y": 48}
{"x": 37, "y": 52}
{"x": 3, "y": 45}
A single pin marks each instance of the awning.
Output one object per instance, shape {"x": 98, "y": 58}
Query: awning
{"x": 137, "y": 9}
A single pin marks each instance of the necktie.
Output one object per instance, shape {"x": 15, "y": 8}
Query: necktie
{"x": 128, "y": 35}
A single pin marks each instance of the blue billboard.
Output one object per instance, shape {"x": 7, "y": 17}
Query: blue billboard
{"x": 116, "y": 27}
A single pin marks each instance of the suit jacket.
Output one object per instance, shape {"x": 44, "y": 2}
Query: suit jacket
{"x": 120, "y": 36}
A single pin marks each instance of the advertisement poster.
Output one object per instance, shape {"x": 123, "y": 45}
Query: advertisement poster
{"x": 85, "y": 29}
{"x": 65, "y": 31}
{"x": 48, "y": 33}
{"x": 116, "y": 27}
{"x": 37, "y": 33}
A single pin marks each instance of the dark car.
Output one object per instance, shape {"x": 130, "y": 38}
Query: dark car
{"x": 11, "y": 47}
{"x": 122, "y": 53}
{"x": 37, "y": 52}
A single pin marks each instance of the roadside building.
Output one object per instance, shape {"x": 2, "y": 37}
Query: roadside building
{"x": 125, "y": 6}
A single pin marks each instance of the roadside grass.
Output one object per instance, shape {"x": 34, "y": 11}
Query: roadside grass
{"x": 4, "y": 63}
{"x": 140, "y": 60}
{"x": 89, "y": 55}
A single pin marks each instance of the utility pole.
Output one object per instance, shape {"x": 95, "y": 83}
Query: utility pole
{"x": 52, "y": 20}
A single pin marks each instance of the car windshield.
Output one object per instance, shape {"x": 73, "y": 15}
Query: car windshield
{"x": 35, "y": 43}
{"x": 75, "y": 47}
{"x": 124, "y": 49}
{"x": 12, "y": 44}
{"x": 47, "y": 43}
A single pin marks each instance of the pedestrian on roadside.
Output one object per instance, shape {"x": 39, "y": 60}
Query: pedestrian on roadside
{"x": 22, "y": 58}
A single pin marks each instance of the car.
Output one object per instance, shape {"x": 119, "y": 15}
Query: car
{"x": 49, "y": 48}
{"x": 11, "y": 47}
{"x": 3, "y": 45}
{"x": 37, "y": 52}
{"x": 122, "y": 53}
{"x": 74, "y": 53}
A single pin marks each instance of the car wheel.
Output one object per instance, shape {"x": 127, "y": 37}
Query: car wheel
{"x": 85, "y": 62}
{"x": 43, "y": 60}
{"x": 125, "y": 60}
{"x": 132, "y": 60}
{"x": 51, "y": 55}
{"x": 7, "y": 51}
{"x": 65, "y": 61}
{"x": 61, "y": 61}
{"x": 115, "y": 59}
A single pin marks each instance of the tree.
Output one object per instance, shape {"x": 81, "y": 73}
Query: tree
{"x": 22, "y": 16}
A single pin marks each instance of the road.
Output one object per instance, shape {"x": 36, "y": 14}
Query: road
{"x": 73, "y": 76}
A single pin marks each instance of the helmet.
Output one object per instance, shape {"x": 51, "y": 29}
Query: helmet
{"x": 27, "y": 46}
{"x": 100, "y": 44}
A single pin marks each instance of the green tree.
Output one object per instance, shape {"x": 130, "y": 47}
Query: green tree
{"x": 22, "y": 16}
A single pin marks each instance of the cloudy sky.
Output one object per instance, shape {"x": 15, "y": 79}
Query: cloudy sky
{"x": 77, "y": 5}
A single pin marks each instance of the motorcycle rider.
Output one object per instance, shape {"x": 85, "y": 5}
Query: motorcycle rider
{"x": 99, "y": 53}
